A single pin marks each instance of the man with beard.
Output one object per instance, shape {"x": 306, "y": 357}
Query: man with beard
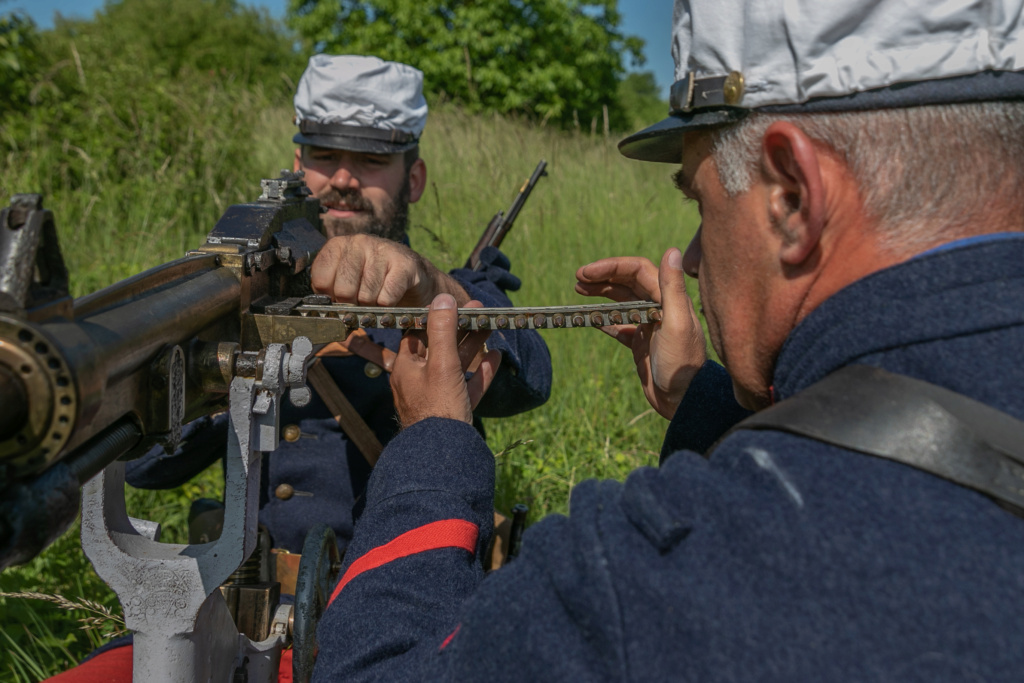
{"x": 857, "y": 166}
{"x": 360, "y": 120}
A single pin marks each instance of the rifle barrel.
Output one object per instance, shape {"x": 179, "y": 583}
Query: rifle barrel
{"x": 524, "y": 194}
{"x": 501, "y": 224}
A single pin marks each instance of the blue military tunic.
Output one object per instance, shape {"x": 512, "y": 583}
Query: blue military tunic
{"x": 320, "y": 476}
{"x": 778, "y": 558}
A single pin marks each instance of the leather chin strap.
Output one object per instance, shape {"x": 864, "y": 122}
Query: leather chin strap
{"x": 872, "y": 411}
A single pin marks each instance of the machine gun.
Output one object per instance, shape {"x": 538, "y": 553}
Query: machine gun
{"x": 86, "y": 384}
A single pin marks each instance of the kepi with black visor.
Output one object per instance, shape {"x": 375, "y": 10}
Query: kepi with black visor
{"x": 360, "y": 104}
{"x": 734, "y": 57}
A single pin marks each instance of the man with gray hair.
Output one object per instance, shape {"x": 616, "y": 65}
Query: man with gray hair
{"x": 842, "y": 499}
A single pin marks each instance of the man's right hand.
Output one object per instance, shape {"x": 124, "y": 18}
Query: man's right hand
{"x": 669, "y": 353}
{"x": 373, "y": 271}
{"x": 429, "y": 377}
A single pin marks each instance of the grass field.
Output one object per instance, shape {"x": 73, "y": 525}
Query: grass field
{"x": 593, "y": 204}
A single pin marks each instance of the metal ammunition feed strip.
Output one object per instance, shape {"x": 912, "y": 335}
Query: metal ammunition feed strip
{"x": 315, "y": 317}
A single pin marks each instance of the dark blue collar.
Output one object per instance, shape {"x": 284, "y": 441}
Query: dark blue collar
{"x": 977, "y": 239}
{"x": 949, "y": 292}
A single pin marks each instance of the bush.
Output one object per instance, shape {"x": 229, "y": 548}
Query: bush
{"x": 19, "y": 61}
{"x": 551, "y": 60}
{"x": 203, "y": 73}
{"x": 177, "y": 104}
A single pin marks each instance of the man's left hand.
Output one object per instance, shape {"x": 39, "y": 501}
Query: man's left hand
{"x": 668, "y": 354}
{"x": 373, "y": 271}
{"x": 429, "y": 377}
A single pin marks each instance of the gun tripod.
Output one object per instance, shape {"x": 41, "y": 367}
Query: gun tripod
{"x": 184, "y": 629}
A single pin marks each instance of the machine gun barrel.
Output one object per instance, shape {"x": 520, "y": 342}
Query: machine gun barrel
{"x": 128, "y": 336}
{"x": 130, "y": 333}
{"x": 74, "y": 378}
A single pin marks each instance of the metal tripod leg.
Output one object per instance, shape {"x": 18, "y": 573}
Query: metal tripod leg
{"x": 184, "y": 632}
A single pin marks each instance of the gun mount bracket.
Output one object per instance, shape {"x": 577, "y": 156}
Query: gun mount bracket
{"x": 289, "y": 186}
{"x": 33, "y": 275}
{"x": 50, "y": 396}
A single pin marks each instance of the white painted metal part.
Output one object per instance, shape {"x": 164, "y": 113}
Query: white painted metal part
{"x": 184, "y": 632}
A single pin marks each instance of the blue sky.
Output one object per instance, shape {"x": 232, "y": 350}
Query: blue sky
{"x": 649, "y": 19}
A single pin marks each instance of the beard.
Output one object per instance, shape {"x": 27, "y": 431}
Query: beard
{"x": 390, "y": 222}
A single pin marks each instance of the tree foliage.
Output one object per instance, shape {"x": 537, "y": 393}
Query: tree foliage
{"x": 143, "y": 86}
{"x": 557, "y": 60}
{"x": 641, "y": 99}
{"x": 168, "y": 39}
{"x": 19, "y": 60}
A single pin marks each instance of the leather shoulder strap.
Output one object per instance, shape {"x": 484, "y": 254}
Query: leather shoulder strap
{"x": 872, "y": 411}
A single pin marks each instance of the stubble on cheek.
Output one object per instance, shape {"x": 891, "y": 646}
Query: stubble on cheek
{"x": 707, "y": 312}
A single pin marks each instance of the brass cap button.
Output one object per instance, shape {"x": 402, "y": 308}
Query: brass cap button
{"x": 291, "y": 433}
{"x": 732, "y": 89}
{"x": 373, "y": 370}
{"x": 284, "y": 491}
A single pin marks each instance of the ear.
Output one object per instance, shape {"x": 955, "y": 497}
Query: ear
{"x": 297, "y": 164}
{"x": 796, "y": 196}
{"x": 417, "y": 180}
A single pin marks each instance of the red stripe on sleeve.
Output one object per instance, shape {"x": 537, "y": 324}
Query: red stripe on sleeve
{"x": 451, "y": 636}
{"x": 447, "y": 533}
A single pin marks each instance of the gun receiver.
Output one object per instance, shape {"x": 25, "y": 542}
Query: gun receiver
{"x": 84, "y": 383}
{"x": 502, "y": 222}
{"x": 120, "y": 370}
